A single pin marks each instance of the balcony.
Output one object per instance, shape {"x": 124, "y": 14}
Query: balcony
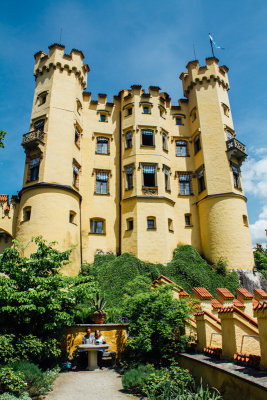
{"x": 236, "y": 149}
{"x": 33, "y": 139}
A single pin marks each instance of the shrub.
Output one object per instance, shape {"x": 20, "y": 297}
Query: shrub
{"x": 33, "y": 376}
{"x": 11, "y": 381}
{"x": 7, "y": 349}
{"x": 134, "y": 378}
{"x": 156, "y": 330}
{"x": 9, "y": 396}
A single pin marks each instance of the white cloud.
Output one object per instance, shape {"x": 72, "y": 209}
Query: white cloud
{"x": 255, "y": 183}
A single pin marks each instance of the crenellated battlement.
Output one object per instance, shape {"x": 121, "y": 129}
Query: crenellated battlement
{"x": 209, "y": 73}
{"x": 57, "y": 59}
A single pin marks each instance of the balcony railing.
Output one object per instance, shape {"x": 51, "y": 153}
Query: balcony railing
{"x": 33, "y": 138}
{"x": 236, "y": 149}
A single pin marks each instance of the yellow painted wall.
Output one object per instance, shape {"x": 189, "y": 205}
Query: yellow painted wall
{"x": 208, "y": 332}
{"x": 262, "y": 322}
{"x": 115, "y": 335}
{"x": 215, "y": 220}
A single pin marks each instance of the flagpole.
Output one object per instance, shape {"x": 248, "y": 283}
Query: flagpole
{"x": 211, "y": 45}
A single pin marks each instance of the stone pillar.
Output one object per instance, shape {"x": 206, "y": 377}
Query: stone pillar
{"x": 261, "y": 314}
{"x": 208, "y": 330}
{"x": 246, "y": 298}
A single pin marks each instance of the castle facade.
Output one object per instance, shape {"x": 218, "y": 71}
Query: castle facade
{"x": 137, "y": 175}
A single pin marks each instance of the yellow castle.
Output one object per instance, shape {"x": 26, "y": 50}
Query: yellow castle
{"x": 137, "y": 175}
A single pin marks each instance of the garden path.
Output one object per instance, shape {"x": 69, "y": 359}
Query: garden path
{"x": 97, "y": 385}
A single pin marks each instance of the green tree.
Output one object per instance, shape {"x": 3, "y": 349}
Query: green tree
{"x": 157, "y": 326}
{"x": 2, "y": 137}
{"x": 260, "y": 257}
{"x": 37, "y": 301}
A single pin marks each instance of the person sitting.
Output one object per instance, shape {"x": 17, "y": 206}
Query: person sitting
{"x": 89, "y": 337}
{"x": 99, "y": 339}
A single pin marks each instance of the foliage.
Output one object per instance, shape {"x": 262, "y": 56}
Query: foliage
{"x": 260, "y": 258}
{"x": 134, "y": 379}
{"x": 189, "y": 269}
{"x": 126, "y": 275}
{"x": 171, "y": 383}
{"x": 36, "y": 302}
{"x": 7, "y": 349}
{"x": 2, "y": 137}
{"x": 11, "y": 381}
{"x": 9, "y": 396}
{"x": 156, "y": 331}
{"x": 99, "y": 303}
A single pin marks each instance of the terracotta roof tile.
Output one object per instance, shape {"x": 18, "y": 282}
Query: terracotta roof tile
{"x": 225, "y": 293}
{"x": 202, "y": 293}
{"x": 262, "y": 305}
{"x": 208, "y": 314}
{"x": 244, "y": 293}
{"x": 238, "y": 304}
{"x": 254, "y": 303}
{"x": 3, "y": 197}
{"x": 216, "y": 304}
{"x": 235, "y": 309}
{"x": 260, "y": 293}
{"x": 183, "y": 293}
{"x": 168, "y": 280}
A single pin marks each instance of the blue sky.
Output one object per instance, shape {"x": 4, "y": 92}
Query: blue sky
{"x": 140, "y": 42}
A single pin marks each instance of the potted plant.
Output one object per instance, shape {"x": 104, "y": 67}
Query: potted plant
{"x": 99, "y": 305}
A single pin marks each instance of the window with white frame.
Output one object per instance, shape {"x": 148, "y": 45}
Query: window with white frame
{"x": 102, "y": 179}
{"x": 102, "y": 146}
{"x": 181, "y": 148}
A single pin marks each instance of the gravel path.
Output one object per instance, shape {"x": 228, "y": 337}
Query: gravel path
{"x": 84, "y": 385}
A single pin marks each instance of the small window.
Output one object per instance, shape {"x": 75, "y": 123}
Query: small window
{"x": 129, "y": 139}
{"x": 147, "y": 137}
{"x": 164, "y": 142}
{"x": 129, "y": 111}
{"x": 149, "y": 175}
{"x": 178, "y": 120}
{"x": 97, "y": 226}
{"x": 188, "y": 219}
{"x": 102, "y": 145}
{"x": 77, "y": 136}
{"x": 39, "y": 125}
{"x": 197, "y": 144}
{"x": 72, "y": 216}
{"x": 42, "y": 98}
{"x": 236, "y": 176}
{"x": 102, "y": 183}
{"x": 167, "y": 178}
{"x": 170, "y": 225}
{"x": 103, "y": 118}
{"x": 226, "y": 109}
{"x": 181, "y": 148}
{"x": 26, "y": 214}
{"x": 245, "y": 220}
{"x": 146, "y": 110}
{"x": 194, "y": 115}
{"x": 34, "y": 169}
{"x": 151, "y": 223}
{"x": 201, "y": 181}
{"x": 130, "y": 224}
{"x": 75, "y": 176}
{"x": 185, "y": 184}
{"x": 129, "y": 177}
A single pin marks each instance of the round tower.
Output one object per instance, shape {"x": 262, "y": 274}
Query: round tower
{"x": 218, "y": 156}
{"x": 50, "y": 198}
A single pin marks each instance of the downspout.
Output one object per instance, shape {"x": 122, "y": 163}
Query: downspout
{"x": 80, "y": 206}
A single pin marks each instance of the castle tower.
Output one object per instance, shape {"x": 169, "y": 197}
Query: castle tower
{"x": 50, "y": 198}
{"x": 218, "y": 156}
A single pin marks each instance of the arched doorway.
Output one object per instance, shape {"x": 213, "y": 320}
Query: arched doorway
{"x": 5, "y": 240}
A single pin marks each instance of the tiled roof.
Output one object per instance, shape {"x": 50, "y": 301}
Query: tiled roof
{"x": 183, "y": 293}
{"x": 262, "y": 305}
{"x": 244, "y": 293}
{"x": 254, "y": 303}
{"x": 202, "y": 293}
{"x": 208, "y": 314}
{"x": 235, "y": 309}
{"x": 261, "y": 293}
{"x": 168, "y": 280}
{"x": 216, "y": 304}
{"x": 3, "y": 197}
{"x": 238, "y": 304}
{"x": 225, "y": 293}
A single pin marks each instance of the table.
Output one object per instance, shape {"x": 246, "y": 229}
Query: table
{"x": 92, "y": 353}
